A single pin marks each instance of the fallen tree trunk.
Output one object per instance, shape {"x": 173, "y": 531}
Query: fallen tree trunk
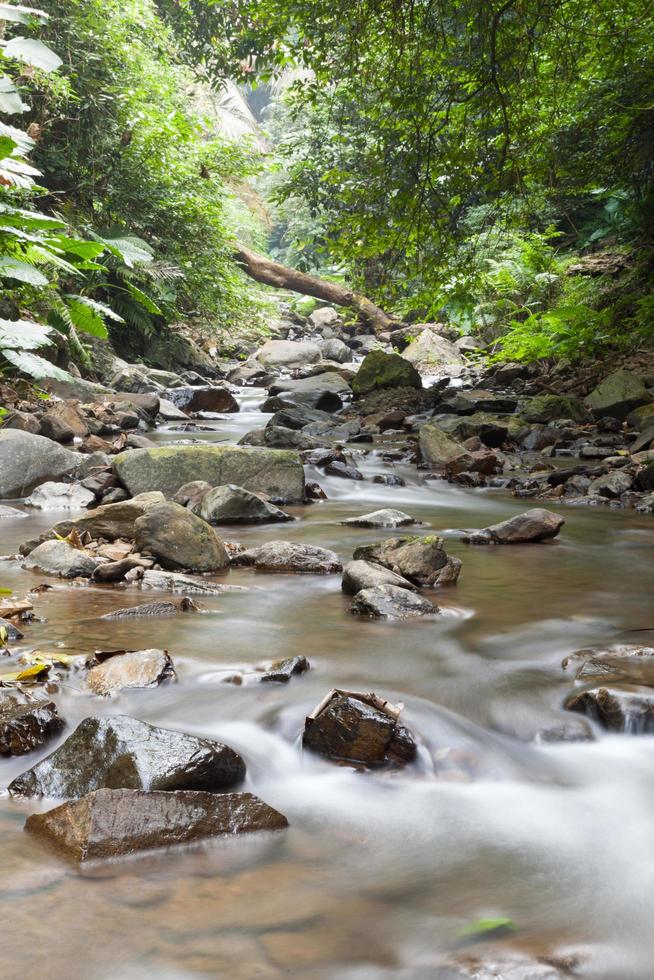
{"x": 283, "y": 277}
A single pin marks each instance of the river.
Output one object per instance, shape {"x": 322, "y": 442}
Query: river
{"x": 377, "y": 874}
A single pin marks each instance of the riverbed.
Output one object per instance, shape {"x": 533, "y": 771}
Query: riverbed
{"x": 378, "y": 873}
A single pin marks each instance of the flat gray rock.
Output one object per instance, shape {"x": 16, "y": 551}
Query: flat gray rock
{"x": 288, "y": 556}
{"x": 60, "y": 558}
{"x": 388, "y": 517}
{"x": 60, "y": 496}
{"x": 391, "y": 602}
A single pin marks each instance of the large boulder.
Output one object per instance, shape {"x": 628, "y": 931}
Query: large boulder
{"x": 549, "y": 408}
{"x": 381, "y": 370}
{"x": 179, "y": 539}
{"x": 234, "y": 505}
{"x": 111, "y": 822}
{"x": 325, "y": 317}
{"x": 335, "y": 350}
{"x": 112, "y": 521}
{"x": 493, "y": 430}
{"x": 27, "y": 460}
{"x": 534, "y": 525}
{"x": 287, "y": 354}
{"x": 617, "y": 395}
{"x": 360, "y": 574}
{"x": 276, "y": 473}
{"x": 349, "y": 729}
{"x": 437, "y": 448}
{"x": 203, "y": 398}
{"x": 422, "y": 561}
{"x": 391, "y": 602}
{"x": 323, "y": 391}
{"x": 289, "y": 556}
{"x": 432, "y": 354}
{"x": 132, "y": 669}
{"x": 124, "y": 753}
{"x": 60, "y": 558}
{"x": 26, "y": 723}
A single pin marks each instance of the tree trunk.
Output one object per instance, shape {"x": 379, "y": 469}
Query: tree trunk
{"x": 283, "y": 277}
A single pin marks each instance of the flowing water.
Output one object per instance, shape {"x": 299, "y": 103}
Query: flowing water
{"x": 377, "y": 874}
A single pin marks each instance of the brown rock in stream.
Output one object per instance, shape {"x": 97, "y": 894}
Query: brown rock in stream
{"x": 131, "y": 669}
{"x": 534, "y": 525}
{"x": 111, "y": 822}
{"x": 26, "y": 723}
{"x": 349, "y": 729}
{"x": 628, "y": 709}
{"x": 161, "y": 608}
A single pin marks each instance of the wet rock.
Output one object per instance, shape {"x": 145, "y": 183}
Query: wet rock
{"x": 423, "y": 561}
{"x": 157, "y": 609}
{"x": 60, "y": 496}
{"x": 321, "y": 457}
{"x": 123, "y": 753}
{"x": 382, "y": 518}
{"x": 55, "y": 427}
{"x": 27, "y": 460}
{"x": 479, "y": 400}
{"x": 179, "y": 539}
{"x": 276, "y": 473}
{"x": 314, "y": 491}
{"x": 507, "y": 966}
{"x": 360, "y": 574}
{"x": 437, "y": 448}
{"x": 112, "y": 521}
{"x": 617, "y": 395}
{"x": 170, "y": 412}
{"x": 132, "y": 669}
{"x": 630, "y": 663}
{"x": 184, "y": 584}
{"x": 643, "y": 441}
{"x": 111, "y": 822}
{"x": 612, "y": 484}
{"x": 645, "y": 479}
{"x": 294, "y": 416}
{"x": 202, "y": 398}
{"x": 349, "y": 729}
{"x": 432, "y": 353}
{"x": 532, "y": 526}
{"x": 115, "y": 496}
{"x": 289, "y": 556}
{"x": 282, "y": 670}
{"x": 62, "y": 559}
{"x": 287, "y": 354}
{"x": 26, "y": 723}
{"x": 492, "y": 430}
{"x": 380, "y": 370}
{"x": 576, "y": 731}
{"x": 344, "y": 470}
{"x": 389, "y": 480}
{"x": 391, "y": 602}
{"x": 234, "y": 505}
{"x": 540, "y": 437}
{"x": 277, "y": 437}
{"x": 548, "y": 408}
{"x": 629, "y": 710}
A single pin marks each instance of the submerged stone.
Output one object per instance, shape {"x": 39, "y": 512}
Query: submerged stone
{"x": 629, "y": 709}
{"x": 282, "y": 670}
{"x": 388, "y": 517}
{"x": 123, "y": 753}
{"x": 111, "y": 822}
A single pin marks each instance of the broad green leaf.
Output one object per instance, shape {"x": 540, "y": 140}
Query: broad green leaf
{"x": 12, "y": 268}
{"x": 100, "y": 308}
{"x": 21, "y": 15}
{"x": 132, "y": 250}
{"x": 482, "y": 927}
{"x": 86, "y": 319}
{"x": 146, "y": 302}
{"x": 3, "y": 590}
{"x": 23, "y": 335}
{"x": 24, "y": 142}
{"x": 28, "y": 219}
{"x": 37, "y": 367}
{"x": 10, "y": 100}
{"x": 7, "y": 146}
{"x": 78, "y": 246}
{"x": 33, "y": 52}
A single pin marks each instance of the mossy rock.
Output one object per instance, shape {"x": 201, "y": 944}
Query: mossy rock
{"x": 617, "y": 395}
{"x": 548, "y": 408}
{"x": 381, "y": 370}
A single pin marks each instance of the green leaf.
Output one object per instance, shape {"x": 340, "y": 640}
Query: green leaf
{"x": 132, "y": 250}
{"x": 142, "y": 298}
{"x": 7, "y": 146}
{"x": 28, "y": 219}
{"x": 21, "y": 15}
{"x": 77, "y": 246}
{"x": 37, "y": 367}
{"x": 23, "y": 335}
{"x": 86, "y": 319}
{"x": 10, "y": 100}
{"x": 483, "y": 927}
{"x": 12, "y": 268}
{"x": 33, "y": 52}
{"x": 24, "y": 142}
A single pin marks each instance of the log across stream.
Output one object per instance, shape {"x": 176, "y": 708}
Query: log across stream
{"x": 378, "y": 874}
